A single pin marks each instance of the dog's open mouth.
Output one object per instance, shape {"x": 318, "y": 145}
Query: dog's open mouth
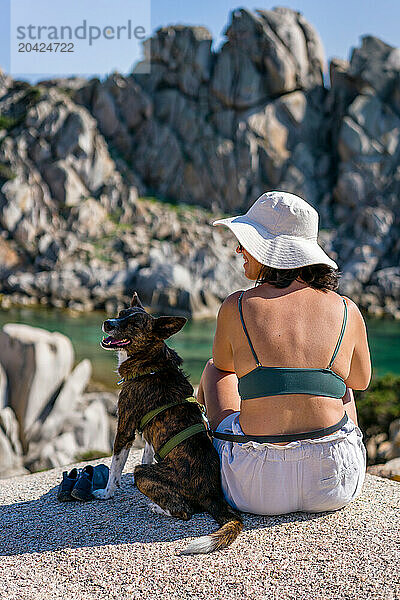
{"x": 112, "y": 342}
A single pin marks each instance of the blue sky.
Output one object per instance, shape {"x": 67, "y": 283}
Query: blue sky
{"x": 340, "y": 23}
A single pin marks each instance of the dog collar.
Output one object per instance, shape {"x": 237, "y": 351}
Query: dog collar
{"x": 137, "y": 374}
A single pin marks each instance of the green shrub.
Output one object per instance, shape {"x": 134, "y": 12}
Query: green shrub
{"x": 91, "y": 455}
{"x": 70, "y": 92}
{"x": 378, "y": 406}
{"x": 21, "y": 85}
{"x": 182, "y": 209}
{"x": 32, "y": 96}
{"x": 6, "y": 173}
{"x": 7, "y": 123}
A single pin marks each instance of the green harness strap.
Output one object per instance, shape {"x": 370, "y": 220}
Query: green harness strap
{"x": 179, "y": 437}
{"x": 156, "y": 411}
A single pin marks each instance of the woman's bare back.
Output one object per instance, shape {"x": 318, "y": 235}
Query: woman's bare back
{"x": 296, "y": 326}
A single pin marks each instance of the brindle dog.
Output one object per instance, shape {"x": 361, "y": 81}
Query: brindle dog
{"x": 188, "y": 479}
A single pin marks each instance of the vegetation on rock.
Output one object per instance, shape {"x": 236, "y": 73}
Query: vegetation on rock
{"x": 379, "y": 405}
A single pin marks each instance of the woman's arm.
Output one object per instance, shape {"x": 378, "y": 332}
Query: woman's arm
{"x": 222, "y": 349}
{"x": 360, "y": 368}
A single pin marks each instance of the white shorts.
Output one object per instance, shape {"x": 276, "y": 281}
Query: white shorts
{"x": 309, "y": 475}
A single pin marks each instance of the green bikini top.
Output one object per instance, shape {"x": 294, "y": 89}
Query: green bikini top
{"x": 274, "y": 381}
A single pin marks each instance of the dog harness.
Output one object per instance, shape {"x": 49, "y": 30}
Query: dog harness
{"x": 179, "y": 437}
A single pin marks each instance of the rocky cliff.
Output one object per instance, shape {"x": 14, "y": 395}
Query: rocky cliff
{"x": 212, "y": 129}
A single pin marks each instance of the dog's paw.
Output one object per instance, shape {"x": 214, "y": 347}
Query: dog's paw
{"x": 102, "y": 494}
{"x": 158, "y": 510}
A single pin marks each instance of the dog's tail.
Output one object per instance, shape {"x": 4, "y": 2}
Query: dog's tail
{"x": 231, "y": 525}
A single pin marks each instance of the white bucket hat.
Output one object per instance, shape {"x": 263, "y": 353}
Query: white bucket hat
{"x": 280, "y": 230}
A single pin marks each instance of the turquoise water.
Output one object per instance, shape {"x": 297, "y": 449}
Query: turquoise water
{"x": 193, "y": 342}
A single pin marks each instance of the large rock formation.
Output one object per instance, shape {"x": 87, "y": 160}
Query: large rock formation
{"x": 364, "y": 100}
{"x": 55, "y": 169}
{"x": 48, "y": 420}
{"x": 121, "y": 549}
{"x": 36, "y": 363}
{"x": 214, "y": 129}
{"x": 10, "y": 446}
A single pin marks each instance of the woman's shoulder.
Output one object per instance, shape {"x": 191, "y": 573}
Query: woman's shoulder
{"x": 354, "y": 316}
{"x": 229, "y": 304}
{"x": 233, "y": 298}
{"x": 351, "y": 305}
{"x": 354, "y": 313}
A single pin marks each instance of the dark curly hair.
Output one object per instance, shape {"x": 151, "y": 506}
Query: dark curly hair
{"x": 319, "y": 276}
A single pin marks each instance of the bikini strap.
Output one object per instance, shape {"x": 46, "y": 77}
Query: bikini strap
{"x": 245, "y": 330}
{"x": 341, "y": 334}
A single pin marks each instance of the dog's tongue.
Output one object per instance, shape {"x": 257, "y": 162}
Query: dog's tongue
{"x": 111, "y": 341}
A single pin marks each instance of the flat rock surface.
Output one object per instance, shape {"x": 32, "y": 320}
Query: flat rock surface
{"x": 119, "y": 549}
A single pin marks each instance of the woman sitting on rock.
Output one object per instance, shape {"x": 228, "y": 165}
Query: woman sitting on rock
{"x": 287, "y": 354}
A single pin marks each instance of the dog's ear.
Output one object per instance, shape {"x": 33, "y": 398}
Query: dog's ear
{"x": 135, "y": 301}
{"x": 164, "y": 327}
